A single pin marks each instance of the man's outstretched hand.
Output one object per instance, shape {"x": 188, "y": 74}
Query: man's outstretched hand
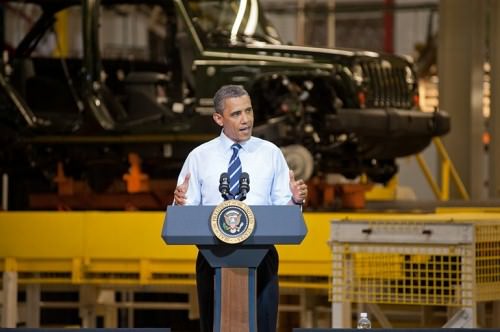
{"x": 298, "y": 189}
{"x": 180, "y": 191}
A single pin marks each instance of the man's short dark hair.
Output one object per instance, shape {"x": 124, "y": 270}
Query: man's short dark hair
{"x": 227, "y": 91}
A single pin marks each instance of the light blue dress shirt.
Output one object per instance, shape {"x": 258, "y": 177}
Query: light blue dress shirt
{"x": 262, "y": 160}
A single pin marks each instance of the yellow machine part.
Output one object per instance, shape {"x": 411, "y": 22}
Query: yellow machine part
{"x": 126, "y": 248}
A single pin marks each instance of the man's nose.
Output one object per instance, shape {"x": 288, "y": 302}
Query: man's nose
{"x": 244, "y": 118}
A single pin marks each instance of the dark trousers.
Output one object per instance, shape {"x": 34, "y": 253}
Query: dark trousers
{"x": 267, "y": 292}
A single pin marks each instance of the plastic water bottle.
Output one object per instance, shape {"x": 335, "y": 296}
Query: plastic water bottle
{"x": 364, "y": 322}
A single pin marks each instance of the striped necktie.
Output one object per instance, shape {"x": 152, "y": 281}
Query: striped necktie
{"x": 234, "y": 170}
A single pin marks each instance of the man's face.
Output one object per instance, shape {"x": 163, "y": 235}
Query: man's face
{"x": 237, "y": 118}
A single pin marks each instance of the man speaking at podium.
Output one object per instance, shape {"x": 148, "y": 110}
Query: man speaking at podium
{"x": 215, "y": 170}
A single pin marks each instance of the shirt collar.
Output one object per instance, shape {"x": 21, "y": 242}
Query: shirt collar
{"x": 227, "y": 142}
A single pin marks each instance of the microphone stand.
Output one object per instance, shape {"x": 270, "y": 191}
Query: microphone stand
{"x": 244, "y": 186}
{"x": 224, "y": 186}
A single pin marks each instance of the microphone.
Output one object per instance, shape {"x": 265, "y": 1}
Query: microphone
{"x": 244, "y": 185}
{"x": 224, "y": 185}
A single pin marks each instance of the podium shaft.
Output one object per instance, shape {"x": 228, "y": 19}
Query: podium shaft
{"x": 235, "y": 300}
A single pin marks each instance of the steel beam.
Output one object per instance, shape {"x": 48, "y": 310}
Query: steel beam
{"x": 9, "y": 300}
{"x": 461, "y": 58}
{"x": 494, "y": 121}
{"x": 88, "y": 301}
{"x": 33, "y": 306}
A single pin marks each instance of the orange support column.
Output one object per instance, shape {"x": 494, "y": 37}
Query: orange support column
{"x": 137, "y": 181}
{"x": 65, "y": 185}
{"x": 353, "y": 195}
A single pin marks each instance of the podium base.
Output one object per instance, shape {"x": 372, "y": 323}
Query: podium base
{"x": 235, "y": 307}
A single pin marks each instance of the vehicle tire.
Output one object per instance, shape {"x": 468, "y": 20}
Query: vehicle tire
{"x": 299, "y": 160}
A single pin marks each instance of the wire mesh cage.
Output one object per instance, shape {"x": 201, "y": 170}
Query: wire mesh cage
{"x": 448, "y": 263}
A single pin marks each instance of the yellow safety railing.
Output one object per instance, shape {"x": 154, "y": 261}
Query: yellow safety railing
{"x": 447, "y": 170}
{"x": 61, "y": 31}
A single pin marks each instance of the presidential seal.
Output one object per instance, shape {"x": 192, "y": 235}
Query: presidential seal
{"x": 232, "y": 221}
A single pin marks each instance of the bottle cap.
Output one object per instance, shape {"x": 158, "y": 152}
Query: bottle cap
{"x": 363, "y": 315}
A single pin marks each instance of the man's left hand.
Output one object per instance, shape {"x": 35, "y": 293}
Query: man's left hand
{"x": 180, "y": 197}
{"x": 298, "y": 189}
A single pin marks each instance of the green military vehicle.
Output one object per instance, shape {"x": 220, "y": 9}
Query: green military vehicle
{"x": 331, "y": 110}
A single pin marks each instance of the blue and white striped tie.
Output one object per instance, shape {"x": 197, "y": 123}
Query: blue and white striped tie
{"x": 234, "y": 170}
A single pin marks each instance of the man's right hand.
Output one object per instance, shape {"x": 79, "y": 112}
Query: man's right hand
{"x": 180, "y": 197}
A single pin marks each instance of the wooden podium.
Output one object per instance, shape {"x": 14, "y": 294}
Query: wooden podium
{"x": 235, "y": 264}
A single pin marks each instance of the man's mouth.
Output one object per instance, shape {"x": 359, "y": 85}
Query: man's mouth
{"x": 245, "y": 129}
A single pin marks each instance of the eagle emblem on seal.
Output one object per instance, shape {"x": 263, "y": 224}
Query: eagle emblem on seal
{"x": 232, "y": 221}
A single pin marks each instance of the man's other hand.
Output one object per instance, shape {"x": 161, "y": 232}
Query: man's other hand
{"x": 180, "y": 197}
{"x": 298, "y": 189}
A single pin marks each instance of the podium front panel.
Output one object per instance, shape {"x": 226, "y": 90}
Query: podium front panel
{"x": 283, "y": 224}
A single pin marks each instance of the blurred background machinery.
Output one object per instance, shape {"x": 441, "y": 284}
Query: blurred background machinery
{"x": 137, "y": 80}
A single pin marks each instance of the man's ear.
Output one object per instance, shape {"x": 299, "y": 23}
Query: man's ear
{"x": 218, "y": 119}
